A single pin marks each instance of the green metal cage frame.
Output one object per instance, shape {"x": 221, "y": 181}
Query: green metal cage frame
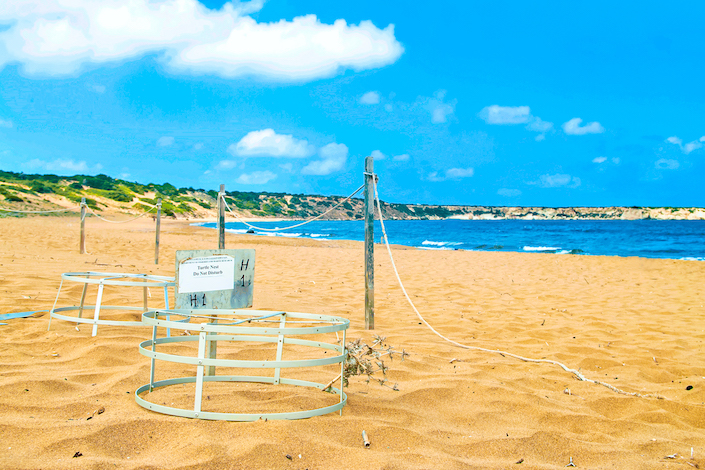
{"x": 246, "y": 330}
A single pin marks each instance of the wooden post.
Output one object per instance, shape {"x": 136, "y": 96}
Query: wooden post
{"x": 221, "y": 218}
{"x": 159, "y": 220}
{"x": 369, "y": 245}
{"x": 83, "y": 225}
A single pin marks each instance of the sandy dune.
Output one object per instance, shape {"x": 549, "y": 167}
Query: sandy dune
{"x": 637, "y": 324}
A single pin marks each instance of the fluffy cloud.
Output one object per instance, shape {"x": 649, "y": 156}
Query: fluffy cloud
{"x": 439, "y": 109}
{"x": 256, "y": 177}
{"x": 61, "y": 36}
{"x": 267, "y": 143}
{"x": 404, "y": 157}
{"x": 573, "y": 127}
{"x": 165, "y": 141}
{"x": 665, "y": 164}
{"x": 452, "y": 174}
{"x": 690, "y": 146}
{"x": 558, "y": 180}
{"x": 377, "y": 155}
{"x": 509, "y": 192}
{"x": 5, "y": 123}
{"x": 62, "y": 166}
{"x": 371, "y": 97}
{"x": 496, "y": 114}
{"x": 333, "y": 158}
{"x": 226, "y": 164}
{"x": 508, "y": 115}
{"x": 599, "y": 159}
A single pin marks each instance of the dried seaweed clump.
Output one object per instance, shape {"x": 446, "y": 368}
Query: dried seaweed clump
{"x": 366, "y": 359}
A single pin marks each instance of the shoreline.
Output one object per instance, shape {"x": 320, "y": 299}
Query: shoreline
{"x": 427, "y": 242}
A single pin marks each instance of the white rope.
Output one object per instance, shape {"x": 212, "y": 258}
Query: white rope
{"x": 292, "y": 226}
{"x": 35, "y": 212}
{"x": 576, "y": 373}
{"x": 119, "y": 221}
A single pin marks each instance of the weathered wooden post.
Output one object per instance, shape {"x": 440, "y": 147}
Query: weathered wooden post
{"x": 369, "y": 245}
{"x": 83, "y": 226}
{"x": 159, "y": 219}
{"x": 221, "y": 218}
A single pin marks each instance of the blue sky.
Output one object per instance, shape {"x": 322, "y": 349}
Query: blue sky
{"x": 493, "y": 103}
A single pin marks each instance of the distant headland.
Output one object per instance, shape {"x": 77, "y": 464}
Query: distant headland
{"x": 104, "y": 194}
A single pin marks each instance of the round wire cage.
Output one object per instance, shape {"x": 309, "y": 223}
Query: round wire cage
{"x": 285, "y": 330}
{"x": 146, "y": 281}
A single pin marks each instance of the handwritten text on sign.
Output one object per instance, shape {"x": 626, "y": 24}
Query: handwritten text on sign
{"x": 207, "y": 274}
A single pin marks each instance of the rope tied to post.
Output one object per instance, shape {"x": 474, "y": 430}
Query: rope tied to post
{"x": 121, "y": 221}
{"x": 292, "y": 226}
{"x": 576, "y": 373}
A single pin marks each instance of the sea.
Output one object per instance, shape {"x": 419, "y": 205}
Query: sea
{"x": 674, "y": 239}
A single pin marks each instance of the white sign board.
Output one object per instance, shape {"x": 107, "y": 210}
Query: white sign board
{"x": 207, "y": 274}
{"x": 209, "y": 279}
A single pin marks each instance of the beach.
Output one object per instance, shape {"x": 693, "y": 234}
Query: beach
{"x": 636, "y": 324}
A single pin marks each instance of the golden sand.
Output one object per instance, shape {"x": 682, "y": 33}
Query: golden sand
{"x": 637, "y": 324}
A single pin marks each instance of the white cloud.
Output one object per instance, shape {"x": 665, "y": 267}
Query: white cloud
{"x": 439, "y": 109}
{"x": 665, "y": 164}
{"x": 62, "y": 36}
{"x": 404, "y": 157}
{"x": 496, "y": 114}
{"x": 377, "y": 155}
{"x": 536, "y": 124}
{"x": 616, "y": 160}
{"x": 256, "y": 177}
{"x": 371, "y": 97}
{"x": 599, "y": 159}
{"x": 62, "y": 166}
{"x": 287, "y": 167}
{"x": 5, "y": 123}
{"x": 165, "y": 141}
{"x": 558, "y": 180}
{"x": 226, "y": 164}
{"x": 509, "y": 192}
{"x": 509, "y": 115}
{"x": 333, "y": 158}
{"x": 434, "y": 177}
{"x": 198, "y": 146}
{"x": 573, "y": 127}
{"x": 267, "y": 143}
{"x": 690, "y": 146}
{"x": 457, "y": 173}
{"x": 452, "y": 174}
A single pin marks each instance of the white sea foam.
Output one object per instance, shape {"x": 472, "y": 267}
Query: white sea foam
{"x": 430, "y": 242}
{"x": 541, "y": 248}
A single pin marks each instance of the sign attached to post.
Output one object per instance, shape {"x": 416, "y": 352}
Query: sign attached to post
{"x": 207, "y": 274}
{"x": 214, "y": 278}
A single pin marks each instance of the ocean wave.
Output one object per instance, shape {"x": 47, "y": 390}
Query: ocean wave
{"x": 432, "y": 243}
{"x": 541, "y": 248}
{"x": 318, "y": 235}
{"x": 693, "y": 258}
